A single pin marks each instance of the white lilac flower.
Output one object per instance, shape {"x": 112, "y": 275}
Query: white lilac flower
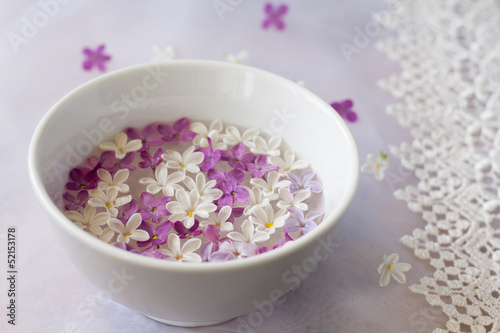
{"x": 117, "y": 181}
{"x": 249, "y": 234}
{"x": 108, "y": 200}
{"x": 266, "y": 220}
{"x": 271, "y": 185}
{"x": 233, "y": 136}
{"x": 163, "y": 181}
{"x": 255, "y": 199}
{"x": 128, "y": 231}
{"x": 376, "y": 165}
{"x": 185, "y": 253}
{"x": 213, "y": 131}
{"x": 121, "y": 147}
{"x": 215, "y": 137}
{"x": 391, "y": 267}
{"x": 288, "y": 163}
{"x": 188, "y": 161}
{"x": 289, "y": 200}
{"x": 89, "y": 220}
{"x": 106, "y": 235}
{"x": 271, "y": 148}
{"x": 238, "y": 58}
{"x": 162, "y": 53}
{"x": 188, "y": 206}
{"x": 234, "y": 250}
{"x": 219, "y": 219}
{"x": 206, "y": 189}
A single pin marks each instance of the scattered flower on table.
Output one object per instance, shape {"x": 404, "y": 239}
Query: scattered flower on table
{"x": 274, "y": 16}
{"x": 391, "y": 267}
{"x": 162, "y": 53}
{"x": 238, "y": 58}
{"x": 376, "y": 165}
{"x": 95, "y": 58}
{"x": 344, "y": 109}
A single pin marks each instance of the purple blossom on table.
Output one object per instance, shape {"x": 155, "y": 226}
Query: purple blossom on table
{"x": 274, "y": 16}
{"x": 232, "y": 191}
{"x": 75, "y": 202}
{"x": 157, "y": 234}
{"x": 154, "y": 209}
{"x": 112, "y": 164}
{"x": 211, "y": 157}
{"x": 82, "y": 179}
{"x": 179, "y": 131}
{"x": 128, "y": 210}
{"x": 95, "y": 58}
{"x": 344, "y": 109}
{"x": 237, "y": 158}
{"x": 304, "y": 182}
{"x": 260, "y": 167}
{"x": 234, "y": 250}
{"x": 297, "y": 222}
{"x": 148, "y": 136}
{"x": 151, "y": 161}
{"x": 184, "y": 232}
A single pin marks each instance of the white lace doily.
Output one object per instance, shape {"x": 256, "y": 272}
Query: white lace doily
{"x": 449, "y": 53}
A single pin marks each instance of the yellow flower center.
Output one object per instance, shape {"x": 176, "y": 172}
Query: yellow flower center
{"x": 117, "y": 165}
{"x": 389, "y": 267}
{"x": 377, "y": 165}
{"x": 287, "y": 169}
{"x": 190, "y": 214}
{"x": 269, "y": 225}
{"x": 176, "y": 136}
{"x": 233, "y": 193}
{"x": 187, "y": 235}
{"x": 154, "y": 209}
{"x": 179, "y": 258}
{"x": 154, "y": 237}
{"x": 236, "y": 161}
{"x": 82, "y": 186}
{"x": 182, "y": 165}
{"x": 127, "y": 234}
{"x": 108, "y": 206}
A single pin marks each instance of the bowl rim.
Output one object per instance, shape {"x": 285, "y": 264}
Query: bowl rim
{"x": 131, "y": 258}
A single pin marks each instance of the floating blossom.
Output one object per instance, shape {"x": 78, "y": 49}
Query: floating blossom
{"x": 391, "y": 266}
{"x": 211, "y": 157}
{"x": 206, "y": 189}
{"x": 162, "y": 53}
{"x": 76, "y": 202}
{"x": 188, "y": 161}
{"x": 82, "y": 179}
{"x": 344, "y": 109}
{"x": 112, "y": 164}
{"x": 154, "y": 208}
{"x": 232, "y": 191}
{"x": 163, "y": 181}
{"x": 255, "y": 199}
{"x": 271, "y": 185}
{"x": 274, "y": 16}
{"x": 184, "y": 232}
{"x": 220, "y": 176}
{"x": 108, "y": 200}
{"x": 219, "y": 219}
{"x": 249, "y": 234}
{"x": 186, "y": 253}
{"x": 107, "y": 235}
{"x": 121, "y": 147}
{"x": 117, "y": 181}
{"x": 188, "y": 206}
{"x": 127, "y": 211}
{"x": 212, "y": 235}
{"x": 129, "y": 230}
{"x": 376, "y": 165}
{"x": 260, "y": 167}
{"x": 151, "y": 161}
{"x": 89, "y": 220}
{"x": 202, "y": 133}
{"x": 288, "y": 163}
{"x": 237, "y": 157}
{"x": 95, "y": 58}
{"x": 304, "y": 182}
{"x": 289, "y": 200}
{"x": 266, "y": 220}
{"x": 233, "y": 136}
{"x": 238, "y": 58}
{"x": 270, "y": 148}
{"x": 178, "y": 132}
{"x": 157, "y": 235}
{"x": 147, "y": 136}
{"x": 234, "y": 250}
{"x": 297, "y": 222}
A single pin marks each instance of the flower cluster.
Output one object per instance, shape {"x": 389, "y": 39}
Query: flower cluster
{"x": 192, "y": 193}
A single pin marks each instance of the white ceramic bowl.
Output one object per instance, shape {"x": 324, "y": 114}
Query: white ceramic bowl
{"x": 193, "y": 294}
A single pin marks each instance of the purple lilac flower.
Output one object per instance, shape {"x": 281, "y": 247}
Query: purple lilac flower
{"x": 211, "y": 157}
{"x": 260, "y": 166}
{"x": 151, "y": 161}
{"x": 82, "y": 179}
{"x": 220, "y": 176}
{"x": 304, "y": 182}
{"x": 127, "y": 211}
{"x": 95, "y": 58}
{"x": 232, "y": 191}
{"x": 178, "y": 132}
{"x": 297, "y": 222}
{"x": 147, "y": 136}
{"x": 235, "y": 213}
{"x": 184, "y": 232}
{"x": 344, "y": 109}
{"x": 263, "y": 249}
{"x": 155, "y": 208}
{"x": 157, "y": 235}
{"x": 234, "y": 250}
{"x": 283, "y": 242}
{"x": 274, "y": 16}
{"x": 149, "y": 252}
{"x": 212, "y": 234}
{"x": 76, "y": 202}
{"x": 93, "y": 163}
{"x": 236, "y": 157}
{"x": 112, "y": 164}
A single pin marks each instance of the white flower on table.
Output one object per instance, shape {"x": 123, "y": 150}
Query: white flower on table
{"x": 188, "y": 161}
{"x": 185, "y": 253}
{"x": 219, "y": 219}
{"x": 270, "y": 148}
{"x": 162, "y": 53}
{"x": 163, "y": 181}
{"x": 206, "y": 189}
{"x": 117, "y": 181}
{"x": 266, "y": 220}
{"x": 108, "y": 200}
{"x": 289, "y": 200}
{"x": 255, "y": 199}
{"x": 89, "y": 220}
{"x": 233, "y": 136}
{"x": 391, "y": 267}
{"x": 249, "y": 234}
{"x": 288, "y": 163}
{"x": 129, "y": 231}
{"x": 238, "y": 58}
{"x": 271, "y": 185}
{"x": 121, "y": 147}
{"x": 376, "y": 165}
{"x": 188, "y": 206}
